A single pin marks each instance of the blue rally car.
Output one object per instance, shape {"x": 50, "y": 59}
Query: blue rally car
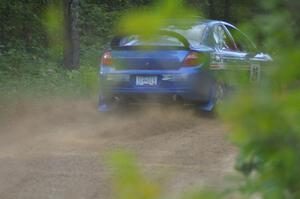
{"x": 178, "y": 64}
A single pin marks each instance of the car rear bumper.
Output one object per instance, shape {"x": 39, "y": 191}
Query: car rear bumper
{"x": 188, "y": 84}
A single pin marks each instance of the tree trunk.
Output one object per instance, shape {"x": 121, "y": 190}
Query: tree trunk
{"x": 71, "y": 38}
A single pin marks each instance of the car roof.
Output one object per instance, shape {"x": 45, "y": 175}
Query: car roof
{"x": 214, "y": 22}
{"x": 198, "y": 21}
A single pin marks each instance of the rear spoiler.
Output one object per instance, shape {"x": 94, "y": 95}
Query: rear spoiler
{"x": 115, "y": 43}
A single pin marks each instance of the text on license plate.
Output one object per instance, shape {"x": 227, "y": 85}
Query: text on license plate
{"x": 146, "y": 80}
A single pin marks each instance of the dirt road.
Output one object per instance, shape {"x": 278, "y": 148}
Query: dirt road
{"x": 55, "y": 149}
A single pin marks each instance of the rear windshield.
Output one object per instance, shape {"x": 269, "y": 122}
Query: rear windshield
{"x": 193, "y": 34}
{"x": 160, "y": 40}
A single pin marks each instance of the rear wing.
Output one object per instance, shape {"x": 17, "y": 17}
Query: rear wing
{"x": 116, "y": 41}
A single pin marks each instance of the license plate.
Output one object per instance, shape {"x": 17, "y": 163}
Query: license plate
{"x": 146, "y": 80}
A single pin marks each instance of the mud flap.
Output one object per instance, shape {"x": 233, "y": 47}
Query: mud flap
{"x": 209, "y": 106}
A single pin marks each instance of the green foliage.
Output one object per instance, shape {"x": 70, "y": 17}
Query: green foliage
{"x": 265, "y": 125}
{"x": 53, "y": 23}
{"x": 266, "y": 130}
{"x": 205, "y": 194}
{"x": 89, "y": 80}
{"x": 156, "y": 17}
{"x": 235, "y": 11}
{"x": 128, "y": 181}
{"x": 96, "y": 25}
{"x": 21, "y": 24}
{"x": 31, "y": 67}
{"x": 49, "y": 81}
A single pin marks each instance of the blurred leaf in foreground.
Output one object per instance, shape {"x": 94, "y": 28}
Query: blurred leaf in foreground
{"x": 148, "y": 21}
{"x": 265, "y": 119}
{"x": 53, "y": 21}
{"x": 205, "y": 194}
{"x": 128, "y": 182}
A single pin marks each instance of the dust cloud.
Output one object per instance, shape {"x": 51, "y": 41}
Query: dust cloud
{"x": 55, "y": 148}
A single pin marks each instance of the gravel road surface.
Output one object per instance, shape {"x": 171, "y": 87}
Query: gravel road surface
{"x": 55, "y": 149}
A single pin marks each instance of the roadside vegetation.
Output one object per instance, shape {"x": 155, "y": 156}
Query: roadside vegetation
{"x": 33, "y": 41}
{"x": 263, "y": 118}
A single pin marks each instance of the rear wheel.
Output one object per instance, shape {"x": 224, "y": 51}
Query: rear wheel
{"x": 218, "y": 92}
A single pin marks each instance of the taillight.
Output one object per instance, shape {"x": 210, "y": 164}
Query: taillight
{"x": 192, "y": 59}
{"x": 106, "y": 59}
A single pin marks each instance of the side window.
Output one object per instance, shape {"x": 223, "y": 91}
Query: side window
{"x": 222, "y": 39}
{"x": 242, "y": 42}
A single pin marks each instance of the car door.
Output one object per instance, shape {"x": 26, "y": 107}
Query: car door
{"x": 254, "y": 61}
{"x": 257, "y": 63}
{"x": 233, "y": 57}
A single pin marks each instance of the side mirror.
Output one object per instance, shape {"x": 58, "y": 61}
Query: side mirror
{"x": 258, "y": 56}
{"x": 263, "y": 57}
